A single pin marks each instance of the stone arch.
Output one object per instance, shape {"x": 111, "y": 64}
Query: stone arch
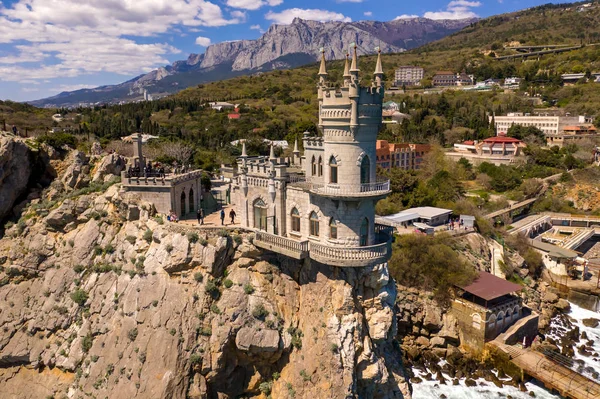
{"x": 360, "y": 158}
{"x": 491, "y": 321}
{"x": 259, "y": 213}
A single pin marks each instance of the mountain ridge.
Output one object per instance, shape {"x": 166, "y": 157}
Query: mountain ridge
{"x": 280, "y": 47}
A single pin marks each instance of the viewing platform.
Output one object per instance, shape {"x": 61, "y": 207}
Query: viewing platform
{"x": 380, "y": 188}
{"x": 158, "y": 180}
{"x": 361, "y": 256}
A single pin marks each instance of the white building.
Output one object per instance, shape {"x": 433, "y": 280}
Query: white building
{"x": 322, "y": 205}
{"x": 550, "y": 125}
{"x": 409, "y": 75}
{"x": 429, "y": 215}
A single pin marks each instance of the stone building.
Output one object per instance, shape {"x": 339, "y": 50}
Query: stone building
{"x": 409, "y": 75}
{"x": 407, "y": 156}
{"x": 487, "y": 308}
{"x": 322, "y": 205}
{"x": 181, "y": 193}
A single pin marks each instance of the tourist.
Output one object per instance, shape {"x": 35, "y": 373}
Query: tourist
{"x": 232, "y": 216}
{"x": 222, "y": 217}
{"x": 200, "y": 216}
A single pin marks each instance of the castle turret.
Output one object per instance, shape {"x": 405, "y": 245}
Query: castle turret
{"x": 322, "y": 82}
{"x": 378, "y": 74}
{"x": 354, "y": 92}
{"x": 347, "y": 71}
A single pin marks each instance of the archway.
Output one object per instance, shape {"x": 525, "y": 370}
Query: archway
{"x": 260, "y": 214}
{"x": 183, "y": 212}
{"x": 192, "y": 207}
{"x": 333, "y": 170}
{"x": 364, "y": 232}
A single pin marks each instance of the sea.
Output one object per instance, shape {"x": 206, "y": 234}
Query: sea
{"x": 487, "y": 390}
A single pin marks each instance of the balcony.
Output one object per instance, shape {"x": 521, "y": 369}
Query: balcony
{"x": 327, "y": 254}
{"x": 282, "y": 245}
{"x": 380, "y": 188}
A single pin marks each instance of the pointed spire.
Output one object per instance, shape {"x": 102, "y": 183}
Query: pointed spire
{"x": 244, "y": 154}
{"x": 347, "y": 70}
{"x": 354, "y": 66}
{"x": 323, "y": 69}
{"x": 272, "y": 155}
{"x": 378, "y": 67}
{"x": 296, "y": 147}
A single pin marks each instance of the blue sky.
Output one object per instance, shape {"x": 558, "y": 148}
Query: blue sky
{"x": 49, "y": 46}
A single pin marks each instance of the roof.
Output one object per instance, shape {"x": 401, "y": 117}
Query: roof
{"x": 424, "y": 212}
{"x": 553, "y": 250}
{"x": 488, "y": 286}
{"x": 422, "y": 226}
{"x": 501, "y": 139}
{"x": 402, "y": 217}
{"x": 233, "y": 116}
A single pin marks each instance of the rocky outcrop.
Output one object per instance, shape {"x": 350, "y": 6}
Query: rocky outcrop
{"x": 77, "y": 173}
{"x": 95, "y": 304}
{"x": 15, "y": 169}
{"x": 109, "y": 166}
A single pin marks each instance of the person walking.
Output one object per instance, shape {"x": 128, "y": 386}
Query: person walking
{"x": 200, "y": 216}
{"x": 222, "y": 217}
{"x": 232, "y": 216}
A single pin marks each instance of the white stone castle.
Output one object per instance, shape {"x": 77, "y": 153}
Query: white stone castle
{"x": 322, "y": 205}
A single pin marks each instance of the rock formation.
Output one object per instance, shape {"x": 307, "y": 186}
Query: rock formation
{"x": 101, "y": 297}
{"x": 15, "y": 168}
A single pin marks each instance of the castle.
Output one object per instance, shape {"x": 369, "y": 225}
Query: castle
{"x": 322, "y": 205}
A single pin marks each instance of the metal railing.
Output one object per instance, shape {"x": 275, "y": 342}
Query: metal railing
{"x": 380, "y": 187}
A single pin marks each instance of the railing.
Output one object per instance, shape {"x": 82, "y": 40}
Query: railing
{"x": 380, "y": 187}
{"x": 283, "y": 245}
{"x": 351, "y": 256}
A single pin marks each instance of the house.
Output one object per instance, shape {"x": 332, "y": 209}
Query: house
{"x": 444, "y": 78}
{"x": 221, "y": 105}
{"x": 512, "y": 81}
{"x": 571, "y": 134}
{"x": 462, "y": 79}
{"x": 488, "y": 307}
{"x": 393, "y": 117}
{"x": 409, "y": 75}
{"x": 549, "y": 124}
{"x": 390, "y": 106}
{"x": 406, "y": 156}
{"x": 498, "y": 150}
{"x": 429, "y": 215}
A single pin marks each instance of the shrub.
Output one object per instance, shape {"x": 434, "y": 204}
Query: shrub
{"x": 237, "y": 239}
{"x": 248, "y": 288}
{"x": 265, "y": 387}
{"x": 109, "y": 249}
{"x": 259, "y": 312}
{"x": 169, "y": 248}
{"x": 132, "y": 334}
{"x": 276, "y": 376}
{"x": 212, "y": 289}
{"x": 304, "y": 375}
{"x": 195, "y": 359}
{"x": 205, "y": 331}
{"x": 142, "y": 357}
{"x": 159, "y": 219}
{"x": 334, "y": 348}
{"x": 203, "y": 242}
{"x": 172, "y": 331}
{"x": 227, "y": 283}
{"x": 86, "y": 343}
{"x": 215, "y": 309}
{"x": 223, "y": 233}
{"x": 98, "y": 250}
{"x": 192, "y": 237}
{"x": 198, "y": 277}
{"x": 78, "y": 268}
{"x": 79, "y": 296}
{"x": 59, "y": 139}
{"x": 148, "y": 236}
{"x": 131, "y": 239}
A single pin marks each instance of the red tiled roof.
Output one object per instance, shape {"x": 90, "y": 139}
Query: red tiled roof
{"x": 233, "y": 116}
{"x": 469, "y": 142}
{"x": 488, "y": 287}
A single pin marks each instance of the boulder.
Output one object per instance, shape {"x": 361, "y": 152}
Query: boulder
{"x": 591, "y": 322}
{"x": 15, "y": 170}
{"x": 423, "y": 341}
{"x": 263, "y": 343}
{"x": 109, "y": 165}
{"x": 76, "y": 175}
{"x": 438, "y": 342}
{"x": 550, "y": 297}
{"x": 563, "y": 305}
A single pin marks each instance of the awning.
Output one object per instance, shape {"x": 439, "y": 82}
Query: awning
{"x": 488, "y": 287}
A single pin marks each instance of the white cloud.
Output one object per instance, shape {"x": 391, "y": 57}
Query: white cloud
{"x": 30, "y": 89}
{"x": 406, "y": 16}
{"x": 456, "y": 9}
{"x": 69, "y": 38}
{"x": 74, "y": 87}
{"x": 258, "y": 28}
{"x": 286, "y": 17}
{"x": 203, "y": 41}
{"x": 252, "y": 4}
{"x": 367, "y": 13}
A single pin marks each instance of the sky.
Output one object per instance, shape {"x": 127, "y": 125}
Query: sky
{"x": 50, "y": 46}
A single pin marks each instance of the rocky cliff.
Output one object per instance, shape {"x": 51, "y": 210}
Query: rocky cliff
{"x": 281, "y": 47}
{"x": 100, "y": 297}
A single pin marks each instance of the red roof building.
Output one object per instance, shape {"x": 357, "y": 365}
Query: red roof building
{"x": 407, "y": 156}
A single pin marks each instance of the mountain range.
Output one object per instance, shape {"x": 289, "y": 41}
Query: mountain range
{"x": 280, "y": 47}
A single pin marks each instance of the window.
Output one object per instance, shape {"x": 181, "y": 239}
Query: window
{"x": 365, "y": 170}
{"x": 477, "y": 321}
{"x": 260, "y": 214}
{"x": 364, "y": 232}
{"x": 314, "y": 224}
{"x": 333, "y": 172}
{"x": 295, "y": 220}
{"x": 320, "y": 166}
{"x": 333, "y": 229}
{"x": 313, "y": 166}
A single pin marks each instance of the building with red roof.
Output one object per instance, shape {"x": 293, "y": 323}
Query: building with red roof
{"x": 407, "y": 156}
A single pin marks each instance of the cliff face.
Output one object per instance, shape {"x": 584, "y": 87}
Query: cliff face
{"x": 99, "y": 297}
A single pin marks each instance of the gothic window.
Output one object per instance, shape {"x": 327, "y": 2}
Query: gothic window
{"x": 320, "y": 166}
{"x": 477, "y": 321}
{"x": 260, "y": 214}
{"x": 314, "y": 224}
{"x": 364, "y": 232}
{"x": 333, "y": 170}
{"x": 333, "y": 233}
{"x": 313, "y": 166}
{"x": 183, "y": 212}
{"x": 295, "y": 220}
{"x": 191, "y": 201}
{"x": 365, "y": 170}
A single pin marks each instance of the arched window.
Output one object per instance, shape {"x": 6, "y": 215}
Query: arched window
{"x": 313, "y": 166}
{"x": 492, "y": 322}
{"x": 320, "y": 166}
{"x": 183, "y": 212}
{"x": 500, "y": 319}
{"x": 260, "y": 214}
{"x": 333, "y": 170}
{"x": 477, "y": 321}
{"x": 333, "y": 233}
{"x": 314, "y": 224}
{"x": 191, "y": 201}
{"x": 365, "y": 170}
{"x": 295, "y": 220}
{"x": 364, "y": 232}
